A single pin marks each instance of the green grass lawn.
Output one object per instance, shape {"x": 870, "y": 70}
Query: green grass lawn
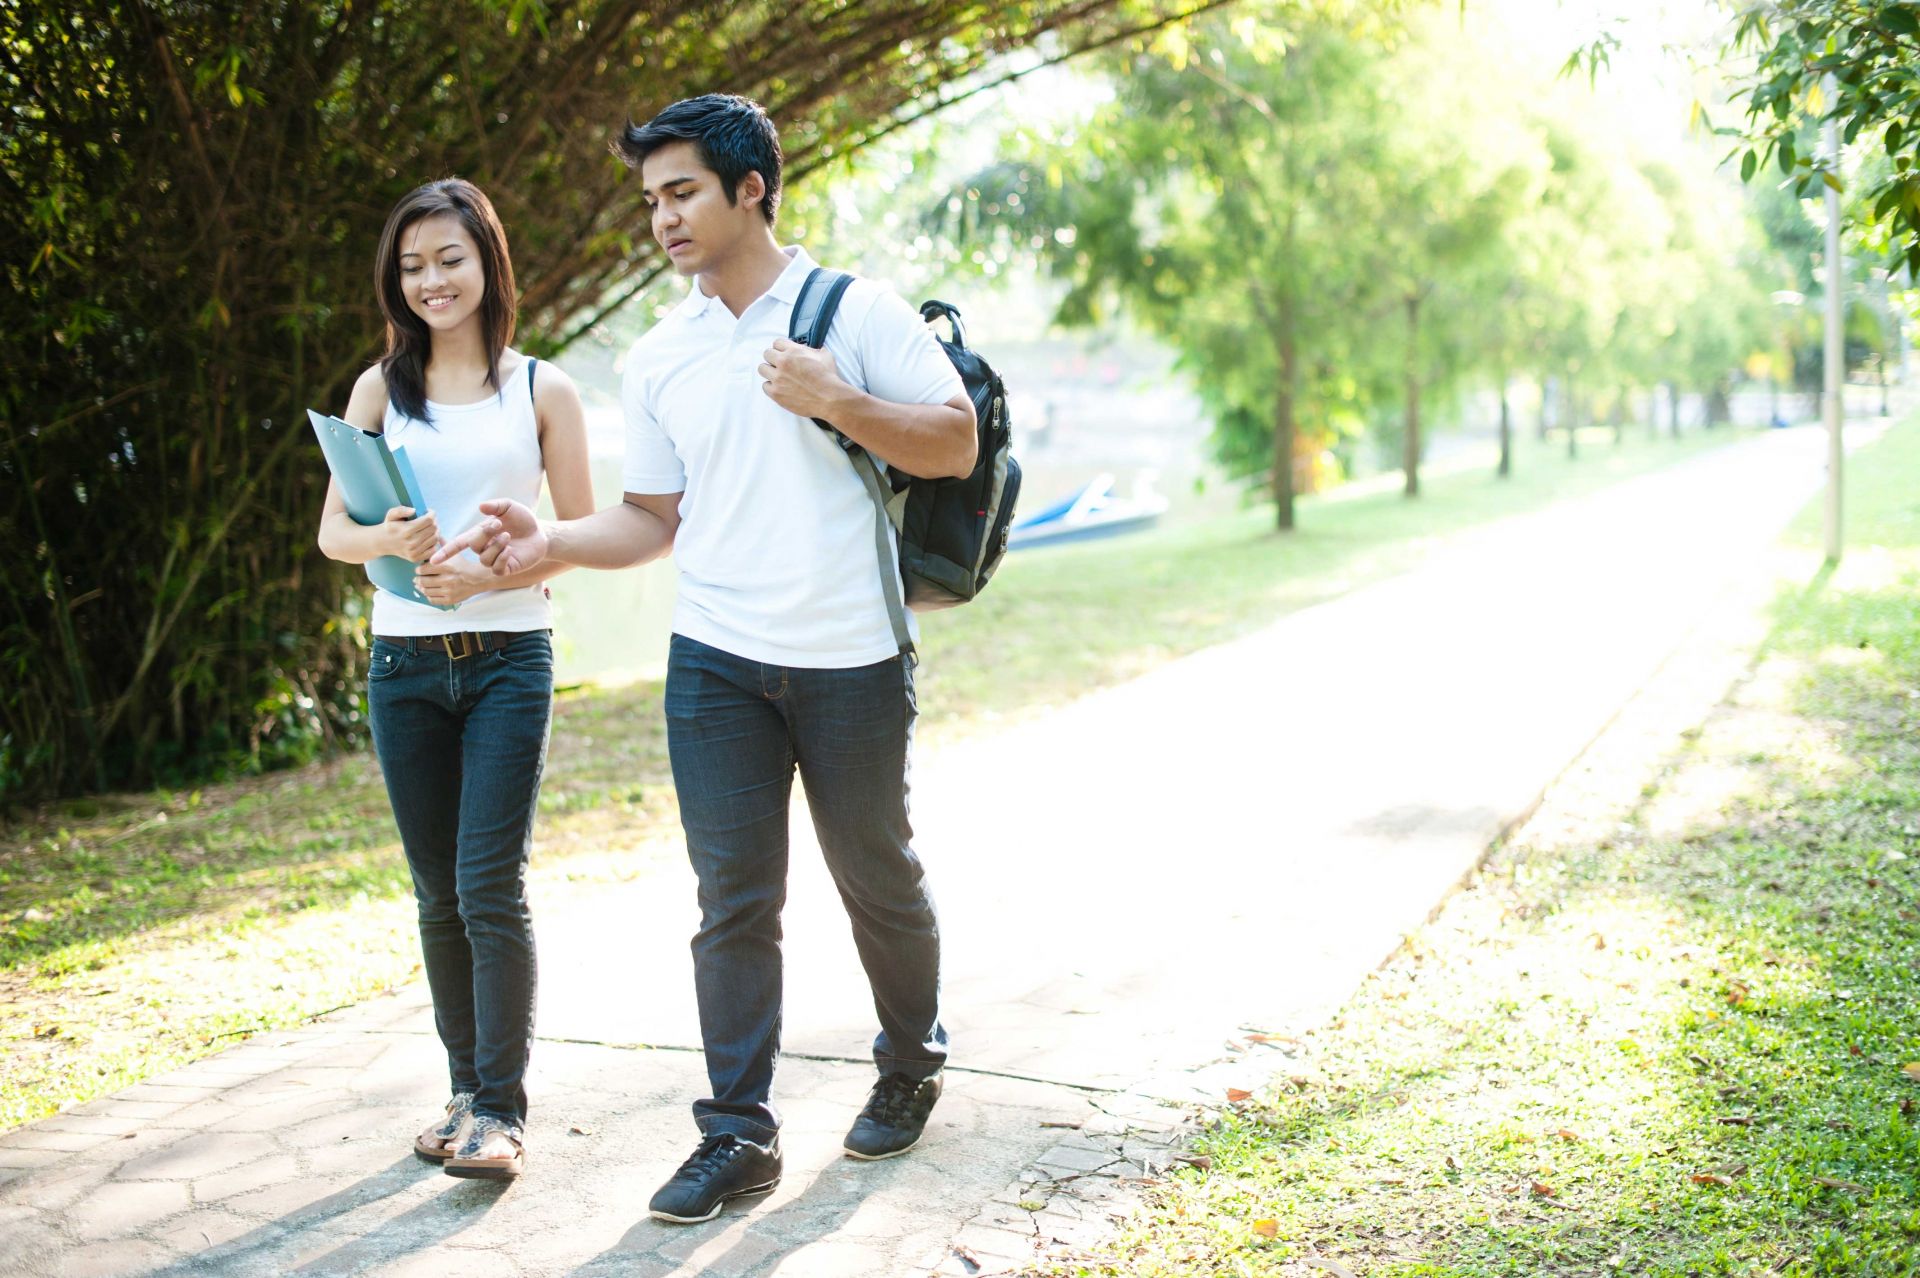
{"x": 1677, "y": 1035}
{"x": 144, "y": 930}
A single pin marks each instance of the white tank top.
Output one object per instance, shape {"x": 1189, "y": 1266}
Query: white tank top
{"x": 465, "y": 455}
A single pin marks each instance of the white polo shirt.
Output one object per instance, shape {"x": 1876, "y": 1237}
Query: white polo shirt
{"x": 776, "y": 542}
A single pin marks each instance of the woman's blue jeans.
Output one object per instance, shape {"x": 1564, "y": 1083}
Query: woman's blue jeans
{"x": 736, "y": 731}
{"x": 462, "y": 744}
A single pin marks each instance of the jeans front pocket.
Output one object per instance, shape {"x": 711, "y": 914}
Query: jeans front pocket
{"x": 386, "y": 661}
{"x": 532, "y": 652}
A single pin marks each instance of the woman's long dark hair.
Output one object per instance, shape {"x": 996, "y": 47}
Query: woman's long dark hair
{"x": 409, "y": 341}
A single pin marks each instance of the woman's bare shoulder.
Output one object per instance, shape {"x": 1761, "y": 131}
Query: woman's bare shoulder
{"x": 367, "y": 406}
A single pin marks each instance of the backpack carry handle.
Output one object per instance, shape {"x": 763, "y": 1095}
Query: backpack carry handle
{"x": 933, "y": 310}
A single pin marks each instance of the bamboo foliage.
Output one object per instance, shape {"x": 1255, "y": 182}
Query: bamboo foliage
{"x": 189, "y": 199}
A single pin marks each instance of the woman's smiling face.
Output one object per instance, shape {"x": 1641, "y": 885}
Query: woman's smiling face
{"x": 440, "y": 271}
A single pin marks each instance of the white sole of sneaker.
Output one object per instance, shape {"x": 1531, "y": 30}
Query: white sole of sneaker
{"x": 718, "y": 1207}
{"x": 875, "y": 1158}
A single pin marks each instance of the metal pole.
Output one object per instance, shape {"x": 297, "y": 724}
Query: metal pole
{"x": 1835, "y": 367}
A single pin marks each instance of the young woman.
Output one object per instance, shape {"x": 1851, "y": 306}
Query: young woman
{"x": 460, "y": 690}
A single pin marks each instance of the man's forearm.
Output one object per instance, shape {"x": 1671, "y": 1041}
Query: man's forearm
{"x": 931, "y": 441}
{"x": 617, "y": 537}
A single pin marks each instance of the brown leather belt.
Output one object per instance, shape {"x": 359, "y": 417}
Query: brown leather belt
{"x": 459, "y": 644}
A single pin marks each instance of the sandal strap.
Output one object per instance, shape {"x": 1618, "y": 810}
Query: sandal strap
{"x": 457, "y": 1110}
{"x": 486, "y": 1124}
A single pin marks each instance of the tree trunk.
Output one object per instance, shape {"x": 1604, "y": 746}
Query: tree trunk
{"x": 1506, "y": 431}
{"x": 1570, "y": 412}
{"x": 1283, "y": 426}
{"x": 1542, "y": 424}
{"x": 1619, "y": 419}
{"x": 1410, "y": 445}
{"x": 1673, "y": 408}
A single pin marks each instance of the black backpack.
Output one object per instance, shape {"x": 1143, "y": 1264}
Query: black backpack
{"x": 953, "y": 532}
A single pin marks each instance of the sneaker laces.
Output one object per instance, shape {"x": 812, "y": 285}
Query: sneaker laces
{"x": 892, "y": 1101}
{"x": 712, "y": 1154}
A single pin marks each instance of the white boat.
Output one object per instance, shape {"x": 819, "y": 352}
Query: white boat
{"x": 1093, "y": 511}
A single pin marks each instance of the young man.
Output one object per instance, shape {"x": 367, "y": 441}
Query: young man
{"x": 782, "y": 654}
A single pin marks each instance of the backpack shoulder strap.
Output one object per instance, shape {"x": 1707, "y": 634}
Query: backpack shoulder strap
{"x": 814, "y": 309}
{"x": 813, "y": 313}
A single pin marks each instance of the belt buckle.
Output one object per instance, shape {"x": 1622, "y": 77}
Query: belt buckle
{"x": 466, "y": 646}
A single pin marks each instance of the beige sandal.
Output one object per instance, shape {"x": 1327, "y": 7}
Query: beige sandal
{"x": 449, "y": 1133}
{"x": 466, "y": 1162}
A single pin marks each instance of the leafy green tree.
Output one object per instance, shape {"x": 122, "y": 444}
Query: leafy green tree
{"x": 1855, "y": 62}
{"x": 192, "y": 193}
{"x": 1221, "y": 196}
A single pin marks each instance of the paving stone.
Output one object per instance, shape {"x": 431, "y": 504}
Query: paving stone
{"x": 117, "y": 1259}
{"x": 361, "y": 1156}
{"x": 284, "y": 1199}
{"x": 166, "y": 1094}
{"x": 204, "y": 1230}
{"x": 119, "y": 1210}
{"x": 29, "y": 1158}
{"x": 55, "y": 1188}
{"x": 984, "y": 1241}
{"x": 738, "y": 1249}
{"x": 1073, "y": 1161}
{"x": 279, "y": 1116}
{"x": 447, "y": 1261}
{"x": 1073, "y": 1231}
{"x": 833, "y": 1259}
{"x": 37, "y": 1137}
{"x": 272, "y": 1170}
{"x": 198, "y": 1155}
{"x": 96, "y": 1124}
{"x": 114, "y": 1107}
{"x": 216, "y": 1071}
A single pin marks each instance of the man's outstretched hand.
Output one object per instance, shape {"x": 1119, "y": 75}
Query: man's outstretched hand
{"x": 508, "y": 540}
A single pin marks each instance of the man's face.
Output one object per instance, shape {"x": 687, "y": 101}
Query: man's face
{"x": 692, "y": 219}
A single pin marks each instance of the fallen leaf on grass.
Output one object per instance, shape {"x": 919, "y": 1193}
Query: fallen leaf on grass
{"x": 1333, "y": 1267}
{"x": 1834, "y": 1182}
{"x": 1567, "y": 1135}
{"x": 1912, "y": 1070}
{"x": 1202, "y": 1161}
{"x": 1710, "y": 1178}
{"x": 1543, "y": 1189}
{"x": 1235, "y": 1095}
{"x": 1391, "y": 1180}
{"x": 1266, "y": 1227}
{"x": 1734, "y": 1120}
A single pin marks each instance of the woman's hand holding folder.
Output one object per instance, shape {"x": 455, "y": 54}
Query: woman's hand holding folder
{"x": 409, "y": 538}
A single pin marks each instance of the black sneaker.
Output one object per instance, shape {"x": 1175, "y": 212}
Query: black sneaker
{"x": 895, "y": 1115}
{"x": 724, "y": 1166}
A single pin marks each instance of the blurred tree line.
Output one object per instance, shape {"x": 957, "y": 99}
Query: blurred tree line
{"x": 1347, "y": 219}
{"x": 193, "y": 192}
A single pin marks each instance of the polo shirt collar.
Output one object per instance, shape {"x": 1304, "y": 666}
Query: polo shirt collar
{"x": 786, "y": 288}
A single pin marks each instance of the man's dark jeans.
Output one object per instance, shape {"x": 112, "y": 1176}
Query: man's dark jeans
{"x": 463, "y": 744}
{"x": 736, "y": 730}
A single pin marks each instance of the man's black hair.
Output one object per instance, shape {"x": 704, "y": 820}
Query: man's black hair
{"x": 731, "y": 134}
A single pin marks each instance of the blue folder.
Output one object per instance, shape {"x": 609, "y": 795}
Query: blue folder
{"x": 374, "y": 477}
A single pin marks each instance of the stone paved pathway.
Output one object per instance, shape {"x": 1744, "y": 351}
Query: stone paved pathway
{"x": 1227, "y": 844}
